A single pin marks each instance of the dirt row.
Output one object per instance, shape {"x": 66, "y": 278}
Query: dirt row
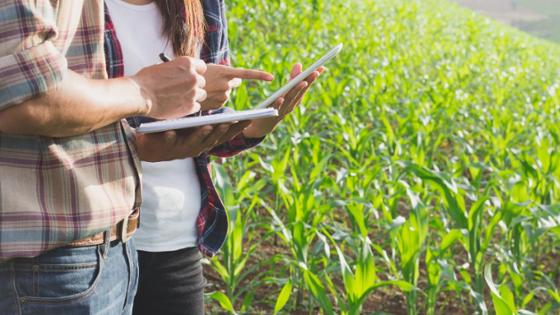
{"x": 506, "y": 11}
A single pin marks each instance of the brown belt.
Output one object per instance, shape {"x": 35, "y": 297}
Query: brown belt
{"x": 122, "y": 231}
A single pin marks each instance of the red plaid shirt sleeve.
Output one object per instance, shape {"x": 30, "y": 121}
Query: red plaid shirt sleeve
{"x": 31, "y": 63}
{"x": 235, "y": 146}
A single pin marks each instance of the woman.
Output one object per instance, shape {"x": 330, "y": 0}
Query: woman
{"x": 182, "y": 214}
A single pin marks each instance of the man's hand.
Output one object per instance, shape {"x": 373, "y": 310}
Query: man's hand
{"x": 184, "y": 143}
{"x": 220, "y": 80}
{"x": 285, "y": 105}
{"x": 173, "y": 89}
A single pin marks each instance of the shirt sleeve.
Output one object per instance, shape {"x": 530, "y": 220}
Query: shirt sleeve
{"x": 216, "y": 45}
{"x": 224, "y": 41}
{"x": 30, "y": 64}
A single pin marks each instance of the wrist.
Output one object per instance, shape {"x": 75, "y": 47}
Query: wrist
{"x": 257, "y": 132}
{"x": 142, "y": 98}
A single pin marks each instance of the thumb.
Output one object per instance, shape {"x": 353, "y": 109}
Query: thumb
{"x": 296, "y": 69}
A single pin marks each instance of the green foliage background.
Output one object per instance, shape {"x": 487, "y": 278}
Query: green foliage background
{"x": 423, "y": 167}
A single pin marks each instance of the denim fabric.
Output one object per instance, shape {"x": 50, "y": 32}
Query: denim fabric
{"x": 171, "y": 283}
{"x": 98, "y": 279}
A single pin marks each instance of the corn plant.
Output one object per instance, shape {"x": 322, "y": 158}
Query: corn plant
{"x": 231, "y": 265}
{"x": 360, "y": 279}
{"x": 409, "y": 237}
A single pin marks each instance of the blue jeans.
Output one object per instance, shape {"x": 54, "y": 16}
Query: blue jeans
{"x": 98, "y": 279}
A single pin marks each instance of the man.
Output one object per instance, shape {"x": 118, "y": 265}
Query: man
{"x": 69, "y": 170}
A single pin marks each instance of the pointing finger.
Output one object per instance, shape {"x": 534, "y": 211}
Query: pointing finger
{"x": 249, "y": 74}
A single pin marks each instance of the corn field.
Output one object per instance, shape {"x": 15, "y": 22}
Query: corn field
{"x": 421, "y": 175}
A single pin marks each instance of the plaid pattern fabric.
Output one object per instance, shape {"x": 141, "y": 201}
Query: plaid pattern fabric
{"x": 212, "y": 220}
{"x": 29, "y": 66}
{"x": 57, "y": 190}
{"x": 215, "y": 48}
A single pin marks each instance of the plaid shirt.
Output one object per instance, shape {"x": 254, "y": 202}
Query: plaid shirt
{"x": 212, "y": 220}
{"x": 57, "y": 190}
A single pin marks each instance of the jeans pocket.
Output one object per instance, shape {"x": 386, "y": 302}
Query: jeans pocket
{"x": 61, "y": 276}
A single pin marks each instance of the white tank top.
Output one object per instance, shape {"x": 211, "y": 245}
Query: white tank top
{"x": 171, "y": 190}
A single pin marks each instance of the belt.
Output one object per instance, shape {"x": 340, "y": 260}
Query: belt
{"x": 121, "y": 231}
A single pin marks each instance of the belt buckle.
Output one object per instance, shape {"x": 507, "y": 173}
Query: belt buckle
{"x": 124, "y": 230}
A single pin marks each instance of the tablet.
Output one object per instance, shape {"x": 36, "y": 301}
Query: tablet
{"x": 261, "y": 111}
{"x": 302, "y": 76}
{"x": 197, "y": 121}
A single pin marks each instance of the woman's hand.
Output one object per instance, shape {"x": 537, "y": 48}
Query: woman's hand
{"x": 220, "y": 80}
{"x": 184, "y": 143}
{"x": 285, "y": 105}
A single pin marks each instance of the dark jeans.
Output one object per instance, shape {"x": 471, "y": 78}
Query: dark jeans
{"x": 170, "y": 283}
{"x": 96, "y": 280}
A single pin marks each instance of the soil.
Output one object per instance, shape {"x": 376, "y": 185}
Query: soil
{"x": 540, "y": 18}
{"x": 506, "y": 11}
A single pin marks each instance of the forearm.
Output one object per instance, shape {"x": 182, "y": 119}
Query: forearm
{"x": 77, "y": 106}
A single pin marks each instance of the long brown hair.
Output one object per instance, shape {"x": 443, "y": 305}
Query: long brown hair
{"x": 183, "y": 24}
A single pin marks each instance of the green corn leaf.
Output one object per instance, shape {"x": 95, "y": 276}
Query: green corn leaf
{"x": 318, "y": 291}
{"x": 283, "y": 297}
{"x": 347, "y": 275}
{"x": 454, "y": 200}
{"x": 356, "y": 212}
{"x": 402, "y": 285}
{"x": 224, "y": 301}
{"x": 507, "y": 296}
{"x": 528, "y": 298}
{"x": 449, "y": 239}
{"x": 476, "y": 212}
{"x": 555, "y": 295}
{"x": 502, "y": 306}
{"x": 236, "y": 237}
{"x": 240, "y": 265}
{"x": 222, "y": 271}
